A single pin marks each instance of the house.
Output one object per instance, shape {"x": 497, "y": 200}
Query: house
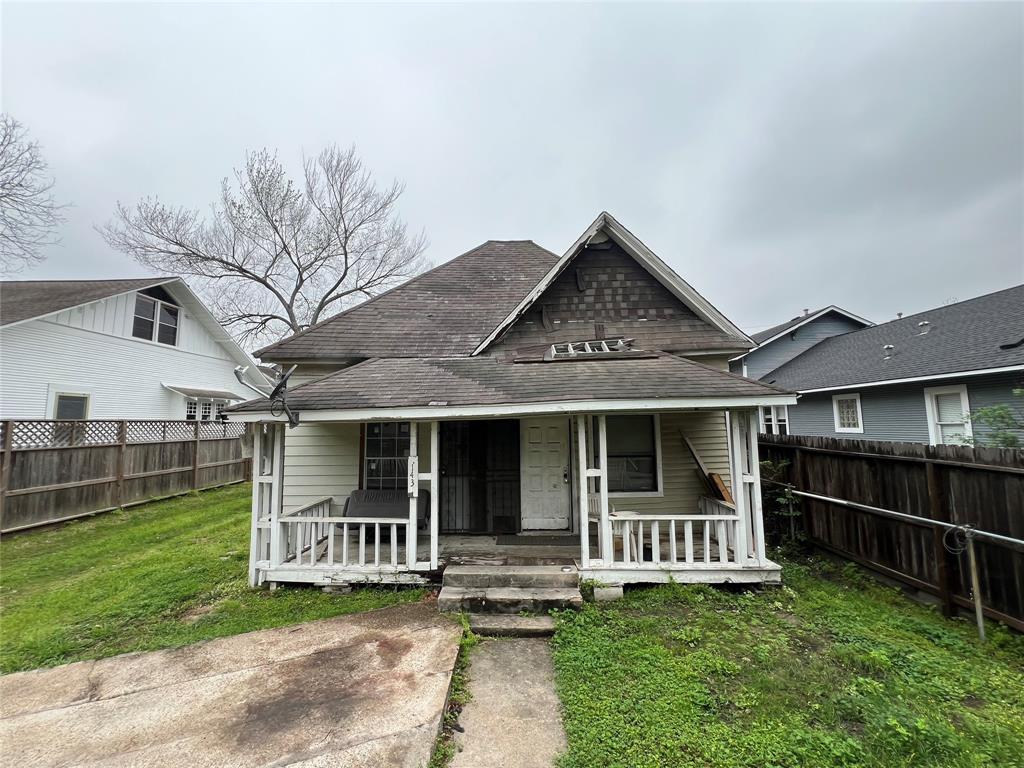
{"x": 513, "y": 403}
{"x": 781, "y": 343}
{"x": 115, "y": 349}
{"x": 914, "y": 379}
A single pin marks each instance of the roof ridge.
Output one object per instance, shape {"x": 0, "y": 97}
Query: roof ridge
{"x": 938, "y": 309}
{"x": 372, "y": 299}
{"x": 96, "y": 280}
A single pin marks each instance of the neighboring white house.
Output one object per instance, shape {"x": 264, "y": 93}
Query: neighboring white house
{"x": 122, "y": 349}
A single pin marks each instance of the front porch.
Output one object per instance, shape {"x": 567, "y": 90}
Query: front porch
{"x": 568, "y": 511}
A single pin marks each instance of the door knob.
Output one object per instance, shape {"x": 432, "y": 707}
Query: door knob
{"x": 565, "y": 475}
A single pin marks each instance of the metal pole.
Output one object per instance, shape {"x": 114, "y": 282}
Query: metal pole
{"x": 975, "y": 585}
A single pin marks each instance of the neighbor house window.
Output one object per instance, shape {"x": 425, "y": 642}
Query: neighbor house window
{"x": 847, "y": 413}
{"x": 386, "y": 462}
{"x": 155, "y": 320}
{"x": 633, "y": 454}
{"x": 191, "y": 408}
{"x": 775, "y": 419}
{"x": 71, "y": 407}
{"x": 206, "y": 409}
{"x": 948, "y": 415}
{"x": 219, "y": 410}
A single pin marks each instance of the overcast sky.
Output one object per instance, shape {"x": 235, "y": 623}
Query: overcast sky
{"x": 777, "y": 156}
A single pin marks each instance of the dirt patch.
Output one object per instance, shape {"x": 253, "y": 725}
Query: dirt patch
{"x": 192, "y": 615}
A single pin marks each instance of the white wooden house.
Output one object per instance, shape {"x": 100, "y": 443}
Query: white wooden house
{"x": 512, "y": 402}
{"x": 115, "y": 349}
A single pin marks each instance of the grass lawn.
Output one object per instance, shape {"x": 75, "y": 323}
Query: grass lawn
{"x": 831, "y": 670}
{"x": 154, "y": 576}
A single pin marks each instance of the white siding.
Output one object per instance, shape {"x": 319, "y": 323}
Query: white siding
{"x": 320, "y": 460}
{"x": 683, "y": 485}
{"x": 113, "y": 316}
{"x": 122, "y": 375}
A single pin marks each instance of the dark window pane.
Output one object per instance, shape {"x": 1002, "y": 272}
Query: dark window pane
{"x": 145, "y": 308}
{"x": 630, "y": 435}
{"x": 71, "y": 406}
{"x": 142, "y": 328}
{"x": 631, "y": 473}
{"x": 373, "y": 430}
{"x": 632, "y": 460}
{"x": 169, "y": 315}
{"x": 167, "y": 334}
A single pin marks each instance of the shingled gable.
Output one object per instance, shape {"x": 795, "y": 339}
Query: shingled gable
{"x": 445, "y": 312}
{"x": 724, "y": 334}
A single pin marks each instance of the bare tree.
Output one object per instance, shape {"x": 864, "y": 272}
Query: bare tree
{"x": 274, "y": 257}
{"x": 29, "y": 214}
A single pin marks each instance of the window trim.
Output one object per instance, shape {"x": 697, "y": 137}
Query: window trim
{"x": 88, "y": 404}
{"x": 859, "y": 429}
{"x": 658, "y": 464}
{"x": 155, "y": 337}
{"x": 934, "y": 433}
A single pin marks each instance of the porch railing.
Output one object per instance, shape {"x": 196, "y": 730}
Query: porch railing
{"x": 311, "y": 536}
{"x": 665, "y": 540}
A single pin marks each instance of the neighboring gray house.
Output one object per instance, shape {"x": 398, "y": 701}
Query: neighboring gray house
{"x": 914, "y": 379}
{"x": 783, "y": 342}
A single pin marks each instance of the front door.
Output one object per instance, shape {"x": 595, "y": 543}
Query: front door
{"x": 544, "y": 473}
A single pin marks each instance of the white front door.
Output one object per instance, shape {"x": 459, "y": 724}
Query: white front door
{"x": 544, "y": 473}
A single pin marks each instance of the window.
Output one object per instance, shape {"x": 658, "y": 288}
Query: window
{"x": 948, "y": 412}
{"x": 634, "y": 452}
{"x": 386, "y": 461}
{"x": 155, "y": 320}
{"x": 219, "y": 409}
{"x": 847, "y": 413}
{"x": 71, "y": 407}
{"x": 206, "y": 409}
{"x": 775, "y": 419}
{"x": 191, "y": 407}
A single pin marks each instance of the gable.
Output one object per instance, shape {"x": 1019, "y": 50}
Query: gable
{"x": 603, "y": 292}
{"x": 770, "y": 356}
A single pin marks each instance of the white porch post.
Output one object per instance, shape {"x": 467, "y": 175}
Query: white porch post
{"x": 414, "y": 492}
{"x": 274, "y": 486}
{"x": 254, "y": 535}
{"x": 581, "y": 452}
{"x": 737, "y": 449}
{"x": 435, "y": 489}
{"x": 607, "y": 543}
{"x": 756, "y": 509}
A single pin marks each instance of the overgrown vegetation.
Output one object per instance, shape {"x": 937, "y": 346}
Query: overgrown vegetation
{"x": 155, "y": 576}
{"x": 1004, "y": 423}
{"x": 831, "y": 670}
{"x": 458, "y": 696}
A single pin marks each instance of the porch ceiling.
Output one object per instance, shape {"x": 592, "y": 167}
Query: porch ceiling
{"x": 461, "y": 383}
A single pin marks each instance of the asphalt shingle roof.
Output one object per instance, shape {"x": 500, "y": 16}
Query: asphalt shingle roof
{"x": 762, "y": 336}
{"x": 413, "y": 382}
{"x": 447, "y": 311}
{"x": 25, "y": 299}
{"x": 966, "y": 336}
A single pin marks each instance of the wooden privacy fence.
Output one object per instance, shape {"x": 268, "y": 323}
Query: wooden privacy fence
{"x": 57, "y": 470}
{"x": 964, "y": 485}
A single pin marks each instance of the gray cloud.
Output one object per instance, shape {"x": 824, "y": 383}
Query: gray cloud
{"x": 778, "y": 156}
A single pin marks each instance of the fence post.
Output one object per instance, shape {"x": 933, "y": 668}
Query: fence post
{"x": 936, "y": 508}
{"x": 122, "y": 439}
{"x": 797, "y": 480}
{"x": 195, "y": 458}
{"x": 6, "y": 459}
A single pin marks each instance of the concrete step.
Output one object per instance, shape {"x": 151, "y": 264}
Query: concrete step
{"x": 484, "y": 576}
{"x": 508, "y": 599}
{"x": 503, "y": 625}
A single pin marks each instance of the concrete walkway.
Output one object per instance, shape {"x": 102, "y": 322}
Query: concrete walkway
{"x": 514, "y": 719}
{"x": 354, "y": 691}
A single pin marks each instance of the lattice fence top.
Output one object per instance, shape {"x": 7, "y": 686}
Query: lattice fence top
{"x": 68, "y": 434}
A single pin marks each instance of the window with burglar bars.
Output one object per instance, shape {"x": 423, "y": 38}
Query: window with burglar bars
{"x": 386, "y": 462}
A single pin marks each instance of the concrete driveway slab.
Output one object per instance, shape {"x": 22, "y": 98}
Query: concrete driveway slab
{"x": 353, "y": 691}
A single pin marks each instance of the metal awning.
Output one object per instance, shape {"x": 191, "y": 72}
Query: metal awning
{"x": 204, "y": 393}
